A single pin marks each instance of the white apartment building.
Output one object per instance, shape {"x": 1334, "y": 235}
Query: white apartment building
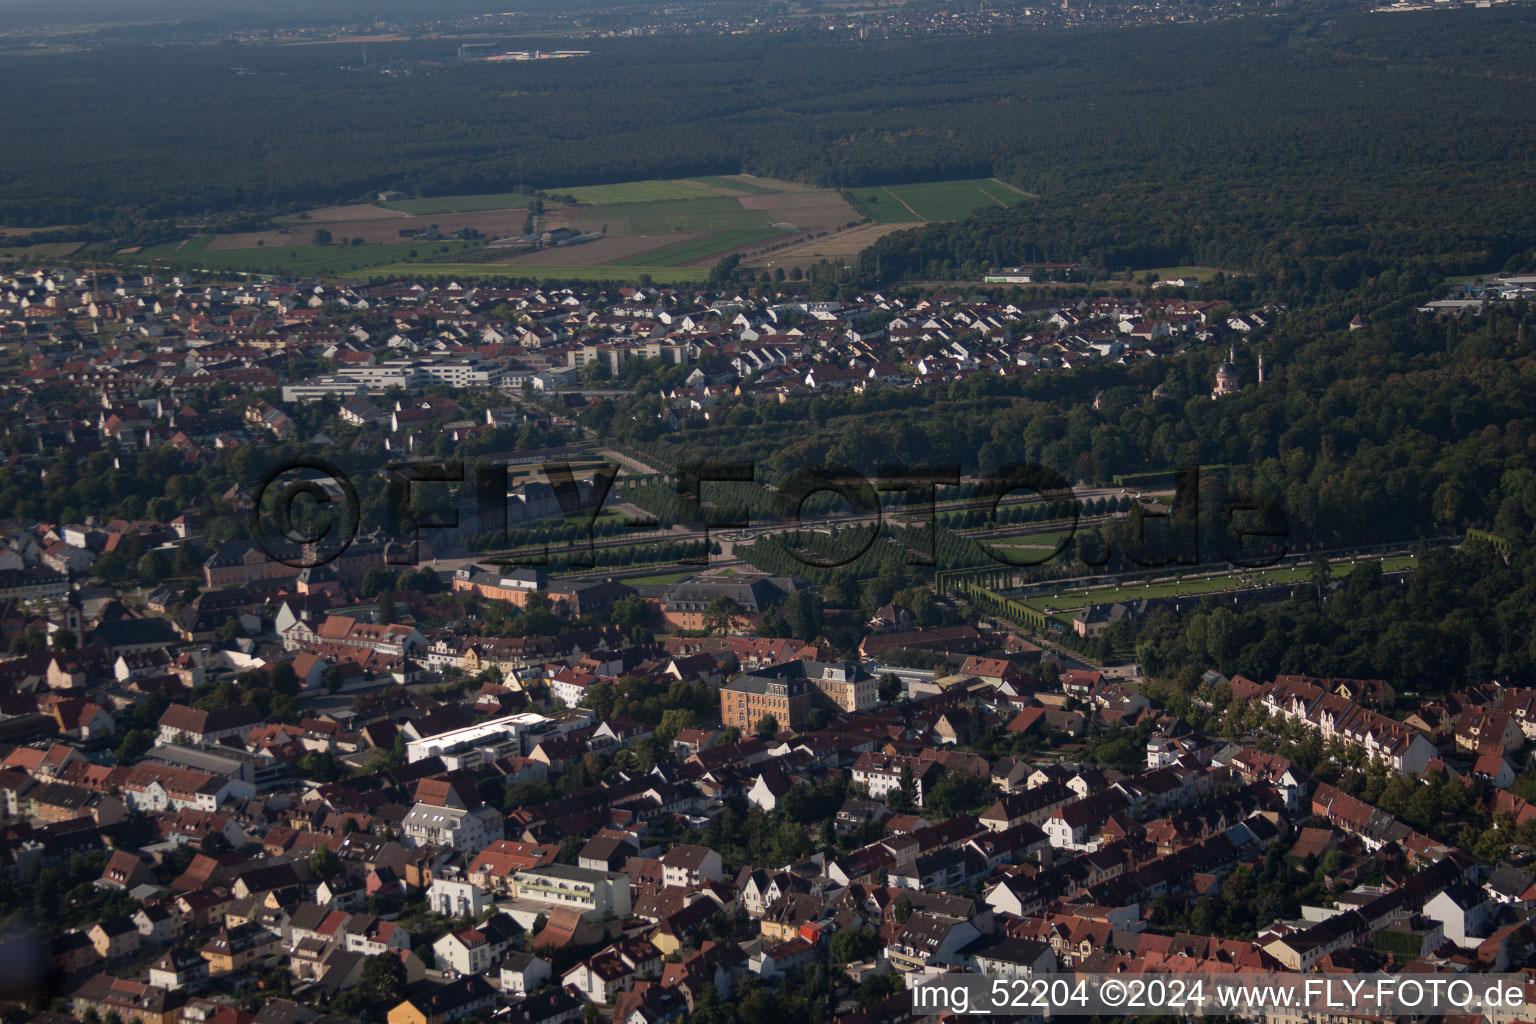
{"x": 595, "y": 894}
{"x": 468, "y": 831}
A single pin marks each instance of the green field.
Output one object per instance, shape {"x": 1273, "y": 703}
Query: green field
{"x": 197, "y": 243}
{"x": 1044, "y": 539}
{"x": 655, "y": 190}
{"x": 700, "y": 248}
{"x": 713, "y": 213}
{"x": 744, "y": 187}
{"x": 1063, "y": 605}
{"x": 660, "y": 275}
{"x": 515, "y": 475}
{"x": 40, "y": 251}
{"x": 654, "y": 207}
{"x": 953, "y": 200}
{"x": 637, "y": 192}
{"x": 933, "y": 200}
{"x": 287, "y": 259}
{"x": 1164, "y": 273}
{"x": 1023, "y": 544}
{"x": 878, "y": 205}
{"x": 461, "y": 204}
{"x": 660, "y": 579}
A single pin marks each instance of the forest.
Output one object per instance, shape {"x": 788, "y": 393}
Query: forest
{"x": 1310, "y": 145}
{"x": 1411, "y": 427}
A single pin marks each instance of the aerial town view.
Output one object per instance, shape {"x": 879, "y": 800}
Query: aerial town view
{"x": 767, "y": 511}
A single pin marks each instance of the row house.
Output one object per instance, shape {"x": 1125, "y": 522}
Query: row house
{"x": 1309, "y": 703}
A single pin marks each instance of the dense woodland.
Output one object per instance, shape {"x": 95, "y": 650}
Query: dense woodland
{"x": 1305, "y": 146}
{"x": 1460, "y": 619}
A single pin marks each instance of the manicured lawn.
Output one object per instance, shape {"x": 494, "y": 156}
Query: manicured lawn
{"x": 699, "y": 248}
{"x": 1044, "y": 539}
{"x": 660, "y": 579}
{"x": 1072, "y": 600}
{"x": 461, "y": 204}
{"x": 661, "y": 275}
{"x": 1030, "y": 546}
{"x": 637, "y": 192}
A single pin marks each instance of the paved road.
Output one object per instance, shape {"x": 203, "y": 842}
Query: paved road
{"x": 627, "y": 462}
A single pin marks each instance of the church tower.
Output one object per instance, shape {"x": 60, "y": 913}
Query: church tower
{"x": 1226, "y": 377}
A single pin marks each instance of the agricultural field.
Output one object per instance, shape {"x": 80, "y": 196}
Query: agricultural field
{"x": 660, "y": 217}
{"x": 22, "y": 232}
{"x": 673, "y": 230}
{"x": 332, "y": 214}
{"x": 640, "y": 191}
{"x": 700, "y": 249}
{"x": 610, "y": 250}
{"x": 456, "y": 204}
{"x": 541, "y": 272}
{"x": 1167, "y": 273}
{"x": 812, "y": 209}
{"x": 286, "y": 259}
{"x": 933, "y": 200}
{"x": 654, "y": 190}
{"x": 755, "y": 187}
{"x": 710, "y": 246}
{"x": 811, "y": 250}
{"x": 39, "y": 251}
{"x": 880, "y": 206}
